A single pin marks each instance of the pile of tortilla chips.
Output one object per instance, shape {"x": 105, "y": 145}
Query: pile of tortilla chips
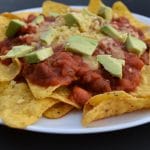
{"x": 22, "y": 104}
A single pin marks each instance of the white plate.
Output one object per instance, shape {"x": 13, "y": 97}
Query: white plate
{"x": 71, "y": 124}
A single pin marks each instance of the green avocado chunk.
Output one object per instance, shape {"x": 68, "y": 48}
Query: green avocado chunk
{"x": 39, "y": 55}
{"x": 39, "y": 19}
{"x": 112, "y": 32}
{"x": 47, "y": 37}
{"x": 85, "y": 11}
{"x": 78, "y": 19}
{"x": 106, "y": 13}
{"x": 71, "y": 20}
{"x": 18, "y": 51}
{"x": 54, "y": 14}
{"x": 82, "y": 45}
{"x": 91, "y": 62}
{"x": 13, "y": 27}
{"x": 112, "y": 65}
{"x": 135, "y": 45}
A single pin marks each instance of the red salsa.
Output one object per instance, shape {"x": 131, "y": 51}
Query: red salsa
{"x": 68, "y": 69}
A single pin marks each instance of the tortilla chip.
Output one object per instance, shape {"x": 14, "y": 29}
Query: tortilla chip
{"x": 112, "y": 104}
{"x": 10, "y": 15}
{"x": 54, "y": 7}
{"x": 146, "y": 31}
{"x": 18, "y": 108}
{"x": 143, "y": 90}
{"x": 55, "y": 92}
{"x": 4, "y": 22}
{"x": 3, "y": 86}
{"x": 58, "y": 110}
{"x": 41, "y": 92}
{"x": 94, "y": 6}
{"x": 120, "y": 10}
{"x": 8, "y": 73}
{"x": 62, "y": 94}
{"x": 24, "y": 15}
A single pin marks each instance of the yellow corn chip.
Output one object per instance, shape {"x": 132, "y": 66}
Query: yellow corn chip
{"x": 3, "y": 26}
{"x": 3, "y": 86}
{"x": 58, "y": 110}
{"x": 24, "y": 15}
{"x": 10, "y": 15}
{"x": 146, "y": 31}
{"x": 18, "y": 108}
{"x": 54, "y": 7}
{"x": 121, "y": 10}
{"x": 112, "y": 104}
{"x": 143, "y": 90}
{"x": 8, "y": 73}
{"x": 94, "y": 6}
{"x": 62, "y": 94}
{"x": 53, "y": 92}
{"x": 41, "y": 92}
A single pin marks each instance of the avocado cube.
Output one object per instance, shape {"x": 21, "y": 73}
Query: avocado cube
{"x": 112, "y": 65}
{"x": 39, "y": 55}
{"x": 53, "y": 14}
{"x": 106, "y": 13}
{"x": 47, "y": 37}
{"x": 91, "y": 61}
{"x": 18, "y": 51}
{"x": 113, "y": 33}
{"x": 86, "y": 12}
{"x": 39, "y": 19}
{"x": 78, "y": 19}
{"x": 82, "y": 45}
{"x": 70, "y": 20}
{"x": 135, "y": 45}
{"x": 13, "y": 27}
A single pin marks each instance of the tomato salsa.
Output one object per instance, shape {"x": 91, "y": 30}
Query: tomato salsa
{"x": 68, "y": 69}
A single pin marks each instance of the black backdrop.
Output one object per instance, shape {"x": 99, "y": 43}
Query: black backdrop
{"x": 135, "y": 138}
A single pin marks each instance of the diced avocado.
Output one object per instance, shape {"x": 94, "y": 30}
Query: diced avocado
{"x": 47, "y": 37}
{"x": 53, "y": 14}
{"x": 39, "y": 55}
{"x": 18, "y": 51}
{"x": 91, "y": 62}
{"x": 82, "y": 45}
{"x": 14, "y": 26}
{"x": 112, "y": 65}
{"x": 39, "y": 19}
{"x": 112, "y": 32}
{"x": 78, "y": 19}
{"x": 106, "y": 13}
{"x": 85, "y": 11}
{"x": 135, "y": 45}
{"x": 70, "y": 20}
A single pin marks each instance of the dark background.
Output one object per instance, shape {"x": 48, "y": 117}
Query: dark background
{"x": 138, "y": 6}
{"x": 131, "y": 139}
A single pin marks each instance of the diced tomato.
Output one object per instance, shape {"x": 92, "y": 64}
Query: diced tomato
{"x": 26, "y": 39}
{"x": 6, "y": 62}
{"x": 30, "y": 18}
{"x": 124, "y": 25}
{"x": 146, "y": 57}
{"x": 134, "y": 61}
{"x": 29, "y": 29}
{"x": 111, "y": 47}
{"x": 5, "y": 46}
{"x": 80, "y": 95}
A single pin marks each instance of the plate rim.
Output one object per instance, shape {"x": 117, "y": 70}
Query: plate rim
{"x": 91, "y": 130}
{"x": 116, "y": 127}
